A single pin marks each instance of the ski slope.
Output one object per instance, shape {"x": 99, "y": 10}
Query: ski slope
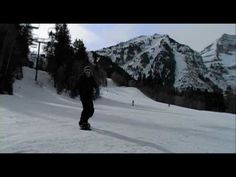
{"x": 37, "y": 120}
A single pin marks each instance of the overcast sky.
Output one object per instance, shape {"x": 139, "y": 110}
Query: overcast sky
{"x": 97, "y": 36}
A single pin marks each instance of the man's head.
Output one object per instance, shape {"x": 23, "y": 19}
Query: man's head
{"x": 87, "y": 71}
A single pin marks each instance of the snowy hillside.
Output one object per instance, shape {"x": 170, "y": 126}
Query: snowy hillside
{"x": 37, "y": 120}
{"x": 220, "y": 59}
{"x": 160, "y": 56}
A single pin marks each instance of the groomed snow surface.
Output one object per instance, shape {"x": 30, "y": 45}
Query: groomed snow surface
{"x": 37, "y": 120}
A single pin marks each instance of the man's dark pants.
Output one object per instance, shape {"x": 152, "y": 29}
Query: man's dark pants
{"x": 88, "y": 109}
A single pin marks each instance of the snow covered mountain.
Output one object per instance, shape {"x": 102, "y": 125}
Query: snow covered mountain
{"x": 38, "y": 120}
{"x": 220, "y": 59}
{"x": 161, "y": 57}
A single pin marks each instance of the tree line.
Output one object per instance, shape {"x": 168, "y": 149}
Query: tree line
{"x": 66, "y": 61}
{"x": 14, "y": 49}
{"x": 160, "y": 88}
{"x": 191, "y": 98}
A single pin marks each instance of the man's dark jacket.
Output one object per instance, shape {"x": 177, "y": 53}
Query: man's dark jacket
{"x": 85, "y": 86}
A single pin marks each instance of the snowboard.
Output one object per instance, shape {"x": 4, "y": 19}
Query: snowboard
{"x": 85, "y": 127}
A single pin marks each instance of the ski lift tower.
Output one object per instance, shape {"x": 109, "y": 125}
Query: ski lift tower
{"x": 39, "y": 41}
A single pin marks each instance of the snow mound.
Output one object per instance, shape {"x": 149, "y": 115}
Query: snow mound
{"x": 37, "y": 120}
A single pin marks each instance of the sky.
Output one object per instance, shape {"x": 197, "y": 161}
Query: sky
{"x": 97, "y": 36}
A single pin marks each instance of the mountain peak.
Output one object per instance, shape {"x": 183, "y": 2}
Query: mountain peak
{"x": 228, "y": 36}
{"x": 227, "y": 39}
{"x": 219, "y": 58}
{"x": 160, "y": 57}
{"x": 145, "y": 37}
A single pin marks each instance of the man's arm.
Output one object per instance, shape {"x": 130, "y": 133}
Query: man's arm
{"x": 77, "y": 85}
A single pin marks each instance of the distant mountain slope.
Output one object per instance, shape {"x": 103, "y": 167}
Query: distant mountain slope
{"x": 163, "y": 58}
{"x": 220, "y": 59}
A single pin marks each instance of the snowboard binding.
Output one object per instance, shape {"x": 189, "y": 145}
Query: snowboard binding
{"x": 85, "y": 126}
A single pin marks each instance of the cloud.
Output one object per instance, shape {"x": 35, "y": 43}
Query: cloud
{"x": 97, "y": 36}
{"x": 197, "y": 36}
{"x": 80, "y": 31}
{"x": 42, "y": 32}
{"x": 118, "y": 33}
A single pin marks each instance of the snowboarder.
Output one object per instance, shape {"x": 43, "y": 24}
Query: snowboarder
{"x": 86, "y": 85}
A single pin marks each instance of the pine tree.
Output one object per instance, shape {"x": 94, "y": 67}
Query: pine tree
{"x": 62, "y": 44}
{"x": 50, "y": 54}
{"x": 14, "y": 49}
{"x": 25, "y": 40}
{"x": 80, "y": 51}
{"x": 150, "y": 79}
{"x": 144, "y": 79}
{"x": 60, "y": 55}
